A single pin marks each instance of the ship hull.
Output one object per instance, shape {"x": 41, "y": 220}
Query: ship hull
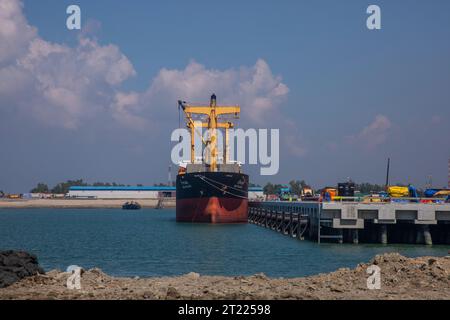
{"x": 212, "y": 197}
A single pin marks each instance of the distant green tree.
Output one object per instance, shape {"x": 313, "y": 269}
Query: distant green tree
{"x": 367, "y": 188}
{"x": 400, "y": 184}
{"x": 102, "y": 184}
{"x": 160, "y": 184}
{"x": 296, "y": 186}
{"x": 40, "y": 188}
{"x": 107, "y": 184}
{"x": 63, "y": 187}
{"x": 270, "y": 188}
{"x": 277, "y": 188}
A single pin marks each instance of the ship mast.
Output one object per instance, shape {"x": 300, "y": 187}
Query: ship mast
{"x": 213, "y": 112}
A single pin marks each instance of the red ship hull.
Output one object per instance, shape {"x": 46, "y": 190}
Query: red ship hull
{"x": 215, "y": 197}
{"x": 212, "y": 210}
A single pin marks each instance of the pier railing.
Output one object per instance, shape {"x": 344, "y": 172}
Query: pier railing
{"x": 389, "y": 200}
{"x": 367, "y": 199}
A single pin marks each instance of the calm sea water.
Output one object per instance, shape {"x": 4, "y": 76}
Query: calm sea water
{"x": 151, "y": 243}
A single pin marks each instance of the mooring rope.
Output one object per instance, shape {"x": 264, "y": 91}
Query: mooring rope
{"x": 223, "y": 184}
{"x": 214, "y": 186}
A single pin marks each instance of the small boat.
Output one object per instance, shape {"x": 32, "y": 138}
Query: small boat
{"x": 131, "y": 205}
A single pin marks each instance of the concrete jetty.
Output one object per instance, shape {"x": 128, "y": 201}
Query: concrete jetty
{"x": 356, "y": 222}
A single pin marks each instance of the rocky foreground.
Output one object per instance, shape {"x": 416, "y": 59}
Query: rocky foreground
{"x": 401, "y": 278}
{"x": 16, "y": 265}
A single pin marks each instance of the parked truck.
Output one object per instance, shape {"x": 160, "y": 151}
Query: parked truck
{"x": 285, "y": 194}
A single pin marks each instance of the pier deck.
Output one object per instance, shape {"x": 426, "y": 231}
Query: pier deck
{"x": 354, "y": 222}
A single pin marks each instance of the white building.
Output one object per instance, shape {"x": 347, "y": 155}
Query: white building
{"x": 121, "y": 192}
{"x": 255, "y": 193}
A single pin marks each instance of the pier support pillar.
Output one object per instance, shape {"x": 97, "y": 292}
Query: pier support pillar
{"x": 404, "y": 235}
{"x": 311, "y": 227}
{"x": 265, "y": 218}
{"x": 410, "y": 236}
{"x": 341, "y": 234}
{"x": 419, "y": 236}
{"x": 383, "y": 234}
{"x": 355, "y": 236}
{"x": 427, "y": 235}
{"x": 298, "y": 229}
{"x": 291, "y": 225}
{"x": 373, "y": 235}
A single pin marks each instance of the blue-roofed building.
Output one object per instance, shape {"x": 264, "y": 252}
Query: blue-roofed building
{"x": 155, "y": 192}
{"x": 121, "y": 192}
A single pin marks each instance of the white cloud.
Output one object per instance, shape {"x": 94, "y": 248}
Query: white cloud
{"x": 436, "y": 119}
{"x": 255, "y": 88}
{"x": 295, "y": 145}
{"x": 105, "y": 62}
{"x": 15, "y": 33}
{"x": 125, "y": 106}
{"x": 64, "y": 86}
{"x": 57, "y": 84}
{"x": 375, "y": 134}
{"x": 71, "y": 84}
{"x": 293, "y": 139}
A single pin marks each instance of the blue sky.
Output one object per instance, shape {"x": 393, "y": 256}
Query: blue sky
{"x": 355, "y": 97}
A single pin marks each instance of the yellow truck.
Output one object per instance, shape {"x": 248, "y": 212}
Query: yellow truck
{"x": 398, "y": 192}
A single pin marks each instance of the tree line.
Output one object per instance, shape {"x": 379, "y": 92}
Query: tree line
{"x": 63, "y": 187}
{"x": 295, "y": 185}
{"x": 270, "y": 188}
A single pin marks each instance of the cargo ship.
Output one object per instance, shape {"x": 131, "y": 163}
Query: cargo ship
{"x": 211, "y": 189}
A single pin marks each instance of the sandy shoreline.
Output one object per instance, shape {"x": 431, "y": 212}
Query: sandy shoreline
{"x": 401, "y": 278}
{"x": 80, "y": 203}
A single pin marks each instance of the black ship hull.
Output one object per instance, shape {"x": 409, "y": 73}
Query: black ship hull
{"x": 212, "y": 197}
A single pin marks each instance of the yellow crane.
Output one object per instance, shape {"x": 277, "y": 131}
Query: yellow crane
{"x": 211, "y": 120}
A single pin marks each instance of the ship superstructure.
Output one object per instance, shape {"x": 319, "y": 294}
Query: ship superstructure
{"x": 211, "y": 189}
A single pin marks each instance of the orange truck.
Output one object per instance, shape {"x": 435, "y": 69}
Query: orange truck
{"x": 332, "y": 192}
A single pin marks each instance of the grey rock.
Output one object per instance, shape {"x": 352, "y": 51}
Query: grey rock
{"x": 16, "y": 265}
{"x": 172, "y": 293}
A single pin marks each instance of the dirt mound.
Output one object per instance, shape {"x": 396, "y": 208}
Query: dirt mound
{"x": 401, "y": 278}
